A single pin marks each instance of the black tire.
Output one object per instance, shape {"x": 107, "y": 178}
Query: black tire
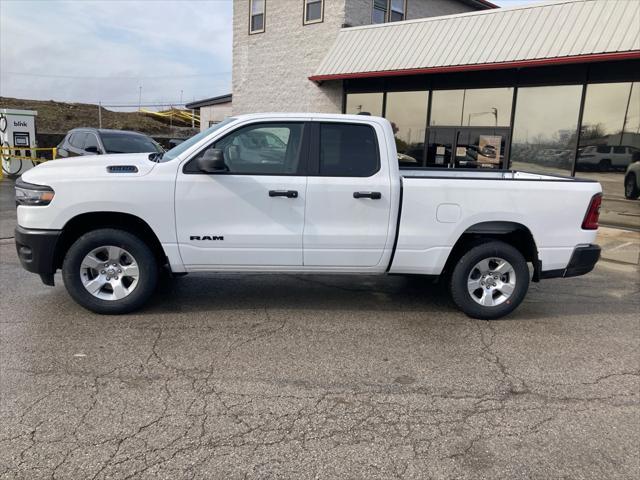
{"x": 631, "y": 190}
{"x": 146, "y": 261}
{"x": 463, "y": 268}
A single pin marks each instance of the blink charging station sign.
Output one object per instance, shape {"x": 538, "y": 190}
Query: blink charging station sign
{"x": 17, "y": 137}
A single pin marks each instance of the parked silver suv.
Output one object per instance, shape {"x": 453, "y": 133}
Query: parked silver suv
{"x": 100, "y": 141}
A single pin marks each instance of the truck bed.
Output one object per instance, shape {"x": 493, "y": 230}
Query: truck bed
{"x": 440, "y": 205}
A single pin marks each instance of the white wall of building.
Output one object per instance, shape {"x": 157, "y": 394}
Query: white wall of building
{"x": 214, "y": 114}
{"x": 271, "y": 69}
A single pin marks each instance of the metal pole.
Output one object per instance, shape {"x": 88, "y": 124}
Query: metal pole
{"x": 99, "y": 114}
{"x": 193, "y": 118}
{"x": 139, "y": 97}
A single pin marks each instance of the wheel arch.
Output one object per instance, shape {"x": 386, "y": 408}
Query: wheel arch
{"x": 86, "y": 222}
{"x": 513, "y": 233}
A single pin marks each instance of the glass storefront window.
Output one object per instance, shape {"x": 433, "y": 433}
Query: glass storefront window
{"x": 632, "y": 121}
{"x": 446, "y": 107}
{"x": 472, "y": 107}
{"x": 469, "y": 128}
{"x": 607, "y": 139}
{"x": 545, "y": 128}
{"x": 487, "y": 107}
{"x": 364, "y": 102}
{"x": 407, "y": 112}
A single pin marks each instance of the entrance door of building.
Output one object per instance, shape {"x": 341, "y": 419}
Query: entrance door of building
{"x": 468, "y": 147}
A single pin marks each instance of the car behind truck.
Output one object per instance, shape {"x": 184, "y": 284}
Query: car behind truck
{"x": 306, "y": 193}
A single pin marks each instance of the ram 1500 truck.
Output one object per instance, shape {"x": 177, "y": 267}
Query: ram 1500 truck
{"x": 306, "y": 193}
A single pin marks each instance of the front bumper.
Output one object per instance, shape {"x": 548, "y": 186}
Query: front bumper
{"x": 36, "y": 251}
{"x": 582, "y": 261}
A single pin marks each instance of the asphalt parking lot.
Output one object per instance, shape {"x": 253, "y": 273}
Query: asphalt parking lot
{"x": 254, "y": 376}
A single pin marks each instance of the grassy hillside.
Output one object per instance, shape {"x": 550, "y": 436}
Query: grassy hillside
{"x": 58, "y": 117}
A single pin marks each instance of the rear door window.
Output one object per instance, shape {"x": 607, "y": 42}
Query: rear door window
{"x": 348, "y": 150}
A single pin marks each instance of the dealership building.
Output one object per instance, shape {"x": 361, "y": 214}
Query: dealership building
{"x": 549, "y": 87}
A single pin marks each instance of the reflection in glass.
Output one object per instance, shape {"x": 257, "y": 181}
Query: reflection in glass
{"x": 545, "y": 127}
{"x": 487, "y": 106}
{"x": 446, "y": 107}
{"x": 606, "y": 144}
{"x": 407, "y": 112}
{"x": 471, "y": 108}
{"x": 364, "y": 103}
{"x": 467, "y": 147}
{"x": 632, "y": 121}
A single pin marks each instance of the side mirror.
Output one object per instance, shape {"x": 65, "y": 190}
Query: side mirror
{"x": 93, "y": 150}
{"x": 212, "y": 161}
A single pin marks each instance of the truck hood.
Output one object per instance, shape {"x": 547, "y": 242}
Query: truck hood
{"x": 90, "y": 166}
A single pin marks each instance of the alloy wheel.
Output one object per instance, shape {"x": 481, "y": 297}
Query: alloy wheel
{"x": 109, "y": 273}
{"x": 491, "y": 282}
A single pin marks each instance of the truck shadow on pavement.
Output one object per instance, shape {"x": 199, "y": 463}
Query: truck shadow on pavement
{"x": 210, "y": 293}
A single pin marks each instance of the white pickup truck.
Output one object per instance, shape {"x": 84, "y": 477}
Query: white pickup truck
{"x": 306, "y": 193}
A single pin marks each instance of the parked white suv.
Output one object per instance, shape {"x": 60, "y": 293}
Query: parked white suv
{"x": 605, "y": 157}
{"x": 326, "y": 197}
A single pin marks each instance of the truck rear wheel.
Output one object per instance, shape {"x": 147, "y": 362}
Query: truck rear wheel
{"x": 110, "y": 271}
{"x": 490, "y": 280}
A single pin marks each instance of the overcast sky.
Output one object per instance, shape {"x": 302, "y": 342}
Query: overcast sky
{"x": 94, "y": 50}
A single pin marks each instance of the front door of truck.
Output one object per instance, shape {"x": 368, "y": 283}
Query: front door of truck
{"x": 348, "y": 197}
{"x": 252, "y": 213}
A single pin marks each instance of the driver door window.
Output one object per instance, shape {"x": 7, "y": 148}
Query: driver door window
{"x": 261, "y": 149}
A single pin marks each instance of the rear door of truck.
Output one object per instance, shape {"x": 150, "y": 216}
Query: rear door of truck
{"x": 349, "y": 201}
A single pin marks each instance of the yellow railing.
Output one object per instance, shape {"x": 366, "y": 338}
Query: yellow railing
{"x": 34, "y": 155}
{"x": 175, "y": 113}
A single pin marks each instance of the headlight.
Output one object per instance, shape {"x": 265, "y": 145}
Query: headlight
{"x": 34, "y": 195}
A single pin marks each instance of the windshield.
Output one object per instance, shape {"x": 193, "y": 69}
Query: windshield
{"x": 178, "y": 149}
{"x": 128, "y": 143}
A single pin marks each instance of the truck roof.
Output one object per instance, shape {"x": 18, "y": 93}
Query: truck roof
{"x": 308, "y": 115}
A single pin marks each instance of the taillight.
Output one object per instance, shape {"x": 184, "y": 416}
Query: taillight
{"x": 590, "y": 221}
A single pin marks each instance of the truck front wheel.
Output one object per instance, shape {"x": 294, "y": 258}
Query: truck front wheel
{"x": 110, "y": 271}
{"x": 490, "y": 280}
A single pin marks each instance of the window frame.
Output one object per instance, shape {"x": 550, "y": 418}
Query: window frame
{"x": 303, "y": 161}
{"x": 390, "y": 10}
{"x": 304, "y": 12}
{"x": 387, "y": 12}
{"x": 264, "y": 17}
{"x": 313, "y": 169}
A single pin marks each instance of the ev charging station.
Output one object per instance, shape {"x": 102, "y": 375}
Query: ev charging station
{"x": 17, "y": 138}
